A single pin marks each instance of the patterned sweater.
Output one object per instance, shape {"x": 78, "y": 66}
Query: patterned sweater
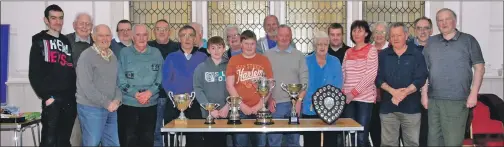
{"x": 359, "y": 73}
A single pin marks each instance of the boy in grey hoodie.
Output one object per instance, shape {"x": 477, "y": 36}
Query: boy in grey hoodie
{"x": 210, "y": 87}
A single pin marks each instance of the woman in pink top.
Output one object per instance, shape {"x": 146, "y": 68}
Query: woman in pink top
{"x": 359, "y": 68}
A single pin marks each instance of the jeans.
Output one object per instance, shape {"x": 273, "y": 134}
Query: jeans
{"x": 158, "y": 137}
{"x": 447, "y": 122}
{"x": 57, "y": 121}
{"x": 247, "y": 139}
{"x": 409, "y": 123}
{"x": 283, "y": 110}
{"x": 360, "y": 112}
{"x": 136, "y": 125}
{"x": 98, "y": 125}
{"x": 375, "y": 125}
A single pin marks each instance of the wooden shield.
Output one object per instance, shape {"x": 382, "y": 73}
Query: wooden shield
{"x": 329, "y": 102}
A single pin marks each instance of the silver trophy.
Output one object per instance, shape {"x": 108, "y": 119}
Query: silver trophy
{"x": 234, "y": 107}
{"x": 210, "y": 107}
{"x": 181, "y": 102}
{"x": 264, "y": 87}
{"x": 293, "y": 91}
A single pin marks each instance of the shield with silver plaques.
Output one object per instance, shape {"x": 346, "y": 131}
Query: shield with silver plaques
{"x": 329, "y": 102}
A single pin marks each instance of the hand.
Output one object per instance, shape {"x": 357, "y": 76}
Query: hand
{"x": 272, "y": 105}
{"x": 472, "y": 100}
{"x": 298, "y": 107}
{"x": 398, "y": 95}
{"x": 144, "y": 97}
{"x": 49, "y": 101}
{"x": 245, "y": 109}
{"x": 425, "y": 101}
{"x": 215, "y": 113}
{"x": 223, "y": 112}
{"x": 257, "y": 107}
{"x": 113, "y": 106}
{"x": 349, "y": 98}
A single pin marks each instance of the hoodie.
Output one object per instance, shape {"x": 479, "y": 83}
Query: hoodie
{"x": 210, "y": 83}
{"x": 51, "y": 70}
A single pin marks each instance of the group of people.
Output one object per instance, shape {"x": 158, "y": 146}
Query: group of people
{"x": 116, "y": 90}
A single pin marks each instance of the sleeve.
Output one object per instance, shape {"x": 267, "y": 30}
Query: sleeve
{"x": 421, "y": 73}
{"x": 118, "y": 95}
{"x": 198, "y": 85}
{"x": 167, "y": 75}
{"x": 370, "y": 73}
{"x": 37, "y": 73}
{"x": 85, "y": 80}
{"x": 338, "y": 78}
{"x": 230, "y": 70}
{"x": 380, "y": 77}
{"x": 475, "y": 51}
{"x": 154, "y": 88}
{"x": 426, "y": 53}
{"x": 125, "y": 87}
{"x": 343, "y": 74}
{"x": 303, "y": 71}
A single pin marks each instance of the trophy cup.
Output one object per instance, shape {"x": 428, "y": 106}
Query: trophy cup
{"x": 181, "y": 102}
{"x": 293, "y": 91}
{"x": 234, "y": 107}
{"x": 209, "y": 107}
{"x": 263, "y": 88}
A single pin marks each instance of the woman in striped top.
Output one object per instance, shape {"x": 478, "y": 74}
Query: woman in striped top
{"x": 359, "y": 68}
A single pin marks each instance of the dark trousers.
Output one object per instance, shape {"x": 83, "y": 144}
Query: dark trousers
{"x": 57, "y": 122}
{"x": 424, "y": 128}
{"x": 375, "y": 125}
{"x": 361, "y": 113}
{"x": 312, "y": 139}
{"x": 192, "y": 139}
{"x": 215, "y": 139}
{"x": 136, "y": 125}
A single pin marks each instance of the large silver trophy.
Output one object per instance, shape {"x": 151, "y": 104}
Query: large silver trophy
{"x": 234, "y": 107}
{"x": 293, "y": 91}
{"x": 329, "y": 102}
{"x": 264, "y": 87}
{"x": 181, "y": 102}
{"x": 210, "y": 107}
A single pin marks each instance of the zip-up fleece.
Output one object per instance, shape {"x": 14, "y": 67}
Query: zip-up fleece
{"x": 51, "y": 70}
{"x": 210, "y": 83}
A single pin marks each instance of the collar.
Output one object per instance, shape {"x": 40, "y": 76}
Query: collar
{"x": 416, "y": 41}
{"x": 147, "y": 50}
{"x": 192, "y": 52}
{"x": 78, "y": 39}
{"x": 390, "y": 51}
{"x": 457, "y": 35}
{"x": 386, "y": 45}
{"x": 99, "y": 52}
{"x": 288, "y": 50}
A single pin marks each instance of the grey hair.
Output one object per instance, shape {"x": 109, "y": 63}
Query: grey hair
{"x": 396, "y": 25}
{"x": 83, "y": 13}
{"x": 199, "y": 25}
{"x": 229, "y": 27}
{"x": 133, "y": 29}
{"x": 285, "y": 26}
{"x": 374, "y": 25}
{"x": 95, "y": 29}
{"x": 264, "y": 21}
{"x": 449, "y": 10}
{"x": 317, "y": 36}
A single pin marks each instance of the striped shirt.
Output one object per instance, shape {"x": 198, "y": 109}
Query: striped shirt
{"x": 359, "y": 73}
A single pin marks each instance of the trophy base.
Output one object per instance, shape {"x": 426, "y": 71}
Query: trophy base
{"x": 234, "y": 122}
{"x": 264, "y": 123}
{"x": 180, "y": 122}
{"x": 209, "y": 123}
{"x": 293, "y": 120}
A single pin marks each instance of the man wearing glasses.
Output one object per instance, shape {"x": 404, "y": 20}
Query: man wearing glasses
{"x": 423, "y": 30}
{"x": 165, "y": 46}
{"x": 79, "y": 40}
{"x": 124, "y": 33}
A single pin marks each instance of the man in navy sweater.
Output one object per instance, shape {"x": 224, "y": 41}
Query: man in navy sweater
{"x": 178, "y": 70}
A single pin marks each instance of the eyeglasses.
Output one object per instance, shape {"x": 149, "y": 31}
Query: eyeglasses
{"x": 85, "y": 24}
{"x": 380, "y": 32}
{"x": 422, "y": 28}
{"x": 186, "y": 36}
{"x": 161, "y": 29}
{"x": 235, "y": 35}
{"x": 322, "y": 44}
{"x": 124, "y": 30}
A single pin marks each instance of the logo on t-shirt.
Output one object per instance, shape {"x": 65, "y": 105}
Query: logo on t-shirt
{"x": 155, "y": 67}
{"x": 248, "y": 73}
{"x": 129, "y": 74}
{"x": 55, "y": 51}
{"x": 215, "y": 76}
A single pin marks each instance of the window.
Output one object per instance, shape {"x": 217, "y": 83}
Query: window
{"x": 393, "y": 11}
{"x": 177, "y": 14}
{"x": 248, "y": 15}
{"x": 305, "y": 17}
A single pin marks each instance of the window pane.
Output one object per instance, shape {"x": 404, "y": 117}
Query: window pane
{"x": 305, "y": 17}
{"x": 248, "y": 15}
{"x": 177, "y": 13}
{"x": 393, "y": 11}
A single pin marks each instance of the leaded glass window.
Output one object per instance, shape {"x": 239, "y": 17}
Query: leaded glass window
{"x": 393, "y": 11}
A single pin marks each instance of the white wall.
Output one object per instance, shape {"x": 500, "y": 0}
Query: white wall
{"x": 481, "y": 19}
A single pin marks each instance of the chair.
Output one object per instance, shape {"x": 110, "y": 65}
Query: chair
{"x": 484, "y": 130}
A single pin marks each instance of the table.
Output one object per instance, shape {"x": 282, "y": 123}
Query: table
{"x": 281, "y": 125}
{"x": 19, "y": 128}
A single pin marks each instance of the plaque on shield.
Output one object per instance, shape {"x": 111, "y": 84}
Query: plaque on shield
{"x": 328, "y": 102}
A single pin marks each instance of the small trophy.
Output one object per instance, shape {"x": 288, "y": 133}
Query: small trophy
{"x": 263, "y": 88}
{"x": 293, "y": 91}
{"x": 234, "y": 107}
{"x": 181, "y": 102}
{"x": 210, "y": 107}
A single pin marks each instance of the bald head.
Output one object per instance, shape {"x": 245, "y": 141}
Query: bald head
{"x": 102, "y": 36}
{"x": 270, "y": 24}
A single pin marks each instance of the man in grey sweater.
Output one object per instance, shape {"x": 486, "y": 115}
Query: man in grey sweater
{"x": 98, "y": 97}
{"x": 289, "y": 67}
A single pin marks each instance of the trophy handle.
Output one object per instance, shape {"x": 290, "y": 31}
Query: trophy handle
{"x": 193, "y": 95}
{"x": 227, "y": 99}
{"x": 217, "y": 105}
{"x": 284, "y": 87}
{"x": 170, "y": 94}
{"x": 304, "y": 86}
{"x": 274, "y": 84}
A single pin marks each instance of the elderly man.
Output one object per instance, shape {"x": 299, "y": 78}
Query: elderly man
{"x": 451, "y": 57}
{"x": 270, "y": 25}
{"x": 124, "y": 33}
{"x": 52, "y": 77}
{"x": 166, "y": 46}
{"x": 98, "y": 96}
{"x": 289, "y": 66}
{"x": 199, "y": 42}
{"x": 423, "y": 30}
{"x": 140, "y": 80}
{"x": 401, "y": 74}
